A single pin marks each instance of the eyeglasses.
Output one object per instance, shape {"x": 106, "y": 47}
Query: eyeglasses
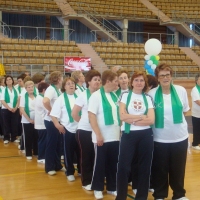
{"x": 164, "y": 75}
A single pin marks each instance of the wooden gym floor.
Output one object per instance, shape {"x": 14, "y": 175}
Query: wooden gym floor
{"x": 22, "y": 179}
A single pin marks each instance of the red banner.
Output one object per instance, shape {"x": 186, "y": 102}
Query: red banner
{"x": 77, "y": 63}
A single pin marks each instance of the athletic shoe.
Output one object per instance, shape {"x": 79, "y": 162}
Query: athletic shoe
{"x": 19, "y": 146}
{"x": 29, "y": 157}
{"x": 182, "y": 198}
{"x": 6, "y": 142}
{"x": 151, "y": 190}
{"x": 98, "y": 194}
{"x": 71, "y": 178}
{"x": 23, "y": 151}
{"x": 114, "y": 193}
{"x": 130, "y": 183}
{"x": 63, "y": 169}
{"x": 41, "y": 161}
{"x": 16, "y": 141}
{"x": 135, "y": 191}
{"x": 51, "y": 173}
{"x": 196, "y": 147}
{"x": 62, "y": 157}
{"x": 87, "y": 187}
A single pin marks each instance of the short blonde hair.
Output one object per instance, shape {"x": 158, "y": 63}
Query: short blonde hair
{"x": 75, "y": 75}
{"x": 28, "y": 83}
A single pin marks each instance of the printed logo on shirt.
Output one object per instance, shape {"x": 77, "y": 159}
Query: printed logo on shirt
{"x": 137, "y": 105}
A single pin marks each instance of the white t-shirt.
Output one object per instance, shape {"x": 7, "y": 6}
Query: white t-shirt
{"x": 136, "y": 107}
{"x": 22, "y": 88}
{"x": 195, "y": 107}
{"x": 31, "y": 105}
{"x": 109, "y": 132}
{"x": 2, "y": 88}
{"x": 39, "y": 113}
{"x": 60, "y": 112}
{"x": 52, "y": 95}
{"x": 82, "y": 101}
{"x": 11, "y": 94}
{"x": 78, "y": 91}
{"x": 171, "y": 132}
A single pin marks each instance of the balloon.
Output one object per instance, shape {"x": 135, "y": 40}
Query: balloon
{"x": 155, "y": 62}
{"x": 150, "y": 62}
{"x": 157, "y": 57}
{"x": 153, "y": 47}
{"x": 147, "y": 57}
{"x": 153, "y": 66}
{"x": 153, "y": 58}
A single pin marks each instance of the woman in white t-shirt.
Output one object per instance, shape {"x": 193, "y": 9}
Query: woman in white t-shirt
{"x": 170, "y": 136}
{"x": 65, "y": 124}
{"x": 27, "y": 109}
{"x": 10, "y": 103}
{"x": 53, "y": 145}
{"x": 195, "y": 94}
{"x": 2, "y": 129}
{"x": 123, "y": 82}
{"x": 39, "y": 121}
{"x": 105, "y": 123}
{"x": 137, "y": 114}
{"x": 84, "y": 132}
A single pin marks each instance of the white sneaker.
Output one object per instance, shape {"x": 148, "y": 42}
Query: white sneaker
{"x": 16, "y": 141}
{"x": 151, "y": 190}
{"x": 23, "y": 151}
{"x": 135, "y": 191}
{"x": 62, "y": 157}
{"x": 63, "y": 169}
{"x": 196, "y": 147}
{"x": 71, "y": 178}
{"x": 130, "y": 183}
{"x": 98, "y": 194}
{"x": 6, "y": 142}
{"x": 114, "y": 193}
{"x": 19, "y": 146}
{"x": 183, "y": 198}
{"x": 51, "y": 173}
{"x": 29, "y": 157}
{"x": 41, "y": 161}
{"x": 87, "y": 187}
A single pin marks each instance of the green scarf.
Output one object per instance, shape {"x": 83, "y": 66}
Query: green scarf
{"x": 128, "y": 126}
{"x": 41, "y": 95}
{"x": 107, "y": 108}
{"x": 177, "y": 108}
{"x": 88, "y": 94}
{"x": 118, "y": 92}
{"x": 35, "y": 91}
{"x": 19, "y": 89}
{"x": 198, "y": 87}
{"x": 27, "y": 103}
{"x": 68, "y": 107}
{"x": 0, "y": 90}
{"x": 7, "y": 96}
{"x": 57, "y": 91}
{"x": 81, "y": 88}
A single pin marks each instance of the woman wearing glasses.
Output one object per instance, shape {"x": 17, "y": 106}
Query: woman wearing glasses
{"x": 170, "y": 136}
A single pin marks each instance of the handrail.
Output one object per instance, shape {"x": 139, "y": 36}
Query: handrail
{"x": 37, "y": 31}
{"x": 3, "y": 30}
{"x": 94, "y": 32}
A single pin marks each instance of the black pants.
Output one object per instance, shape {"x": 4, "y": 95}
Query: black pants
{"x": 53, "y": 148}
{"x": 168, "y": 168}
{"x": 19, "y": 124}
{"x": 22, "y": 141}
{"x": 70, "y": 148}
{"x": 105, "y": 165}
{"x": 138, "y": 143}
{"x": 2, "y": 127}
{"x": 42, "y": 134}
{"x": 10, "y": 120}
{"x": 31, "y": 139}
{"x": 196, "y": 131}
{"x": 86, "y": 147}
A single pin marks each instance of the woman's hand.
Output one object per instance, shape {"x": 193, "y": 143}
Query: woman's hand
{"x": 31, "y": 121}
{"x": 60, "y": 128}
{"x": 100, "y": 140}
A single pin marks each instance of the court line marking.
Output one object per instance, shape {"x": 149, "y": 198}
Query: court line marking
{"x": 22, "y": 173}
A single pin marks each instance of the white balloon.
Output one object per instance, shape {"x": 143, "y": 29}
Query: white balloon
{"x": 153, "y": 47}
{"x": 147, "y": 57}
{"x": 150, "y": 62}
{"x": 153, "y": 66}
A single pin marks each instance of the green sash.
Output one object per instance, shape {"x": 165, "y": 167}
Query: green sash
{"x": 27, "y": 103}
{"x": 128, "y": 126}
{"x": 107, "y": 108}
{"x": 68, "y": 107}
{"x": 88, "y": 94}
{"x": 19, "y": 89}
{"x": 57, "y": 91}
{"x": 198, "y": 87}
{"x": 118, "y": 92}
{"x": 41, "y": 95}
{"x": 177, "y": 107}
{"x": 7, "y": 96}
{"x": 81, "y": 88}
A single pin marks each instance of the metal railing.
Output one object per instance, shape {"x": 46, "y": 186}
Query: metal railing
{"x": 4, "y": 29}
{"x": 8, "y": 30}
{"x": 135, "y": 35}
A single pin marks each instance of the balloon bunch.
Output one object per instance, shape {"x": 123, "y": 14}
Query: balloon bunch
{"x": 152, "y": 47}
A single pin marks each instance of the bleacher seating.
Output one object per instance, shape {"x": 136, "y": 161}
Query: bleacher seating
{"x": 196, "y": 49}
{"x": 17, "y": 52}
{"x": 117, "y": 8}
{"x": 30, "y": 5}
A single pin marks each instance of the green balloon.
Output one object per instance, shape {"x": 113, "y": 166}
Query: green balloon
{"x": 155, "y": 62}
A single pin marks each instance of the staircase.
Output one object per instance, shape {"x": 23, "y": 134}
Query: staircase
{"x": 165, "y": 20}
{"x": 99, "y": 26}
{"x": 191, "y": 54}
{"x": 97, "y": 62}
